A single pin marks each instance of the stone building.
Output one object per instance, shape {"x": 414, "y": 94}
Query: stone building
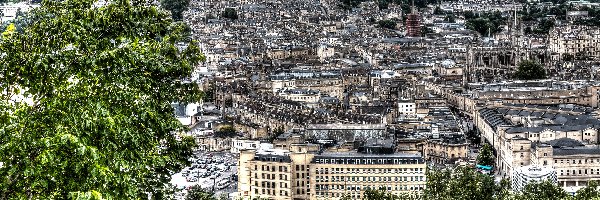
{"x": 565, "y": 140}
{"x": 300, "y": 173}
{"x": 446, "y": 149}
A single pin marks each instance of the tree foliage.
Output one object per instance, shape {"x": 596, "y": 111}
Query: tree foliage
{"x": 463, "y": 183}
{"x": 197, "y": 193}
{"x": 226, "y": 131}
{"x": 97, "y": 121}
{"x": 486, "y": 156}
{"x": 209, "y": 93}
{"x": 591, "y": 191}
{"x": 533, "y": 13}
{"x": 177, "y": 7}
{"x": 487, "y": 23}
{"x": 389, "y": 24}
{"x": 230, "y": 13}
{"x": 530, "y": 70}
{"x": 544, "y": 190}
{"x": 383, "y": 195}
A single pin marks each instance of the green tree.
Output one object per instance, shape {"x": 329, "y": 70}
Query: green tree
{"x": 177, "y": 7}
{"x": 464, "y": 183}
{"x": 389, "y": 24}
{"x": 230, "y": 13}
{"x": 543, "y": 28}
{"x": 486, "y": 24}
{"x": 97, "y": 122}
{"x": 486, "y": 156}
{"x": 589, "y": 192}
{"x": 450, "y": 18}
{"x": 469, "y": 15}
{"x": 383, "y": 195}
{"x": 438, "y": 11}
{"x": 382, "y": 4}
{"x": 530, "y": 70}
{"x": 226, "y": 131}
{"x": 544, "y": 190}
{"x": 474, "y": 136}
{"x": 209, "y": 93}
{"x": 437, "y": 183}
{"x": 197, "y": 193}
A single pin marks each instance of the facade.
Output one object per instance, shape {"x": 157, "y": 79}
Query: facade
{"x": 240, "y": 145}
{"x": 446, "y": 149}
{"x": 575, "y": 41}
{"x": 528, "y": 174}
{"x": 407, "y": 108}
{"x": 562, "y": 139}
{"x": 302, "y": 173}
{"x": 301, "y": 95}
{"x": 334, "y": 174}
{"x": 575, "y": 164}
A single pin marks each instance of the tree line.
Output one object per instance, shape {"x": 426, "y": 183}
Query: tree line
{"x": 487, "y": 23}
{"x": 464, "y": 183}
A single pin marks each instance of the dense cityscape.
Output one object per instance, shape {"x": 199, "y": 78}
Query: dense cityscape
{"x": 300, "y": 100}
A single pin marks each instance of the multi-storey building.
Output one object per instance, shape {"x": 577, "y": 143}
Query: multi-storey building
{"x": 274, "y": 174}
{"x": 303, "y": 173}
{"x": 446, "y": 149}
{"x": 575, "y": 41}
{"x": 335, "y": 174}
{"x": 564, "y": 139}
{"x": 575, "y": 163}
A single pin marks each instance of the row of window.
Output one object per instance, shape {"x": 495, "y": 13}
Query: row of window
{"x": 577, "y": 161}
{"x": 271, "y": 168}
{"x": 270, "y": 192}
{"x": 271, "y": 176}
{"x": 368, "y": 179}
{"x": 324, "y": 189}
{"x": 579, "y": 172}
{"x": 368, "y": 170}
{"x": 352, "y": 161}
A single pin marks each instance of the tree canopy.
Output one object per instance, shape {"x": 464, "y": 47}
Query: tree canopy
{"x": 486, "y": 24}
{"x": 389, "y": 24}
{"x": 530, "y": 70}
{"x": 486, "y": 156}
{"x": 197, "y": 193}
{"x": 85, "y": 95}
{"x": 226, "y": 131}
{"x": 230, "y": 13}
{"x": 544, "y": 190}
{"x": 177, "y": 7}
{"x": 464, "y": 183}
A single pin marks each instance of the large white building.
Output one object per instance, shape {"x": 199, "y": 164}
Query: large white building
{"x": 240, "y": 145}
{"x": 528, "y": 174}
